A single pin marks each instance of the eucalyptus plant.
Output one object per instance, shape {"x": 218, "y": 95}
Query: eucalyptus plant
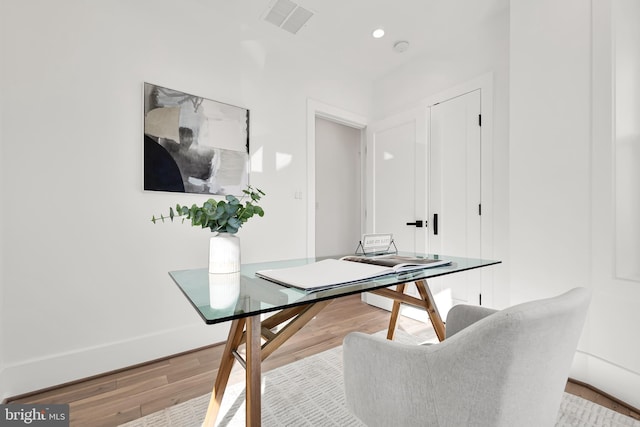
{"x": 223, "y": 216}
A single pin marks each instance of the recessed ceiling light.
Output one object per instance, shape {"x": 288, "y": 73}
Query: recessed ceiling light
{"x": 378, "y": 33}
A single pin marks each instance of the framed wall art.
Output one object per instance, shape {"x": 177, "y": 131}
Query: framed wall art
{"x": 193, "y": 144}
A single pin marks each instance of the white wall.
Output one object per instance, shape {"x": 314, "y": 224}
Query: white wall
{"x": 84, "y": 279}
{"x": 549, "y": 149}
{"x": 2, "y": 311}
{"x": 626, "y": 65}
{"x": 561, "y": 228}
{"x": 609, "y": 359}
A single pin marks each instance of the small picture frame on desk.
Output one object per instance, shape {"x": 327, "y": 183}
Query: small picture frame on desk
{"x": 376, "y": 244}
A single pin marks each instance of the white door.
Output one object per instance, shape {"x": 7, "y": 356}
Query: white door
{"x": 396, "y": 147}
{"x": 454, "y": 197}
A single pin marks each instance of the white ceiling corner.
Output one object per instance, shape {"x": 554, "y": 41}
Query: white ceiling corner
{"x": 339, "y": 31}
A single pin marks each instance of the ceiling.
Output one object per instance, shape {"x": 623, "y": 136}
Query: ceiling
{"x": 341, "y": 29}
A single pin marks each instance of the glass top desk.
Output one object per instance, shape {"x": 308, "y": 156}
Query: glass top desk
{"x": 243, "y": 297}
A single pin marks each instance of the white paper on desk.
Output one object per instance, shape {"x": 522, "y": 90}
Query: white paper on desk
{"x": 324, "y": 274}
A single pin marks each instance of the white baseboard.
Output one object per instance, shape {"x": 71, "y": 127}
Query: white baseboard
{"x": 608, "y": 377}
{"x": 33, "y": 375}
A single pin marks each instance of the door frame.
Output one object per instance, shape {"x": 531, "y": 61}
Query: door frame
{"x": 485, "y": 84}
{"x": 315, "y": 109}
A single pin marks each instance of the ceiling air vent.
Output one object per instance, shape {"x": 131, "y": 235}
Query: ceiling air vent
{"x": 288, "y": 15}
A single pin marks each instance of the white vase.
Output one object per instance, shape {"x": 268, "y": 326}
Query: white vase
{"x": 224, "y": 254}
{"x": 224, "y": 290}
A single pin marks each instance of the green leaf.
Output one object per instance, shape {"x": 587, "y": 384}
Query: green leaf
{"x": 248, "y": 211}
{"x": 234, "y": 222}
{"x": 230, "y": 229}
{"x": 231, "y": 209}
{"x": 197, "y": 218}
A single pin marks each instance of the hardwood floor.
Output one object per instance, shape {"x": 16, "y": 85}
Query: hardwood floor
{"x": 118, "y": 397}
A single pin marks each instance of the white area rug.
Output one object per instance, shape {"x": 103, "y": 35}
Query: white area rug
{"x": 309, "y": 393}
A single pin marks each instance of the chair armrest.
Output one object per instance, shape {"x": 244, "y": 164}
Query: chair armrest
{"x": 460, "y": 316}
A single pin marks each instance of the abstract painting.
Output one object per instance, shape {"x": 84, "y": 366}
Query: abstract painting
{"x": 193, "y": 144}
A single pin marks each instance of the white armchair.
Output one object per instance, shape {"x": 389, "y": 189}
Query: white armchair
{"x": 495, "y": 368}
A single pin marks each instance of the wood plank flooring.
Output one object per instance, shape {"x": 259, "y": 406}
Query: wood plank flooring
{"x": 118, "y": 397}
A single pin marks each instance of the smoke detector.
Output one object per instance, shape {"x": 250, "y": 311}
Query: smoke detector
{"x": 401, "y": 46}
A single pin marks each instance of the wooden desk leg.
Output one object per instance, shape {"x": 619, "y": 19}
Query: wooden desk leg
{"x": 254, "y": 374}
{"x": 226, "y": 363}
{"x": 395, "y": 312}
{"x": 254, "y": 355}
{"x": 432, "y": 310}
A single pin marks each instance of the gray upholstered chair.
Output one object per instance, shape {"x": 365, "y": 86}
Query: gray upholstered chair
{"x": 495, "y": 368}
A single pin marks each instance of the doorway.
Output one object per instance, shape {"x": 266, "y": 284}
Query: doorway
{"x": 317, "y": 109}
{"x": 338, "y": 188}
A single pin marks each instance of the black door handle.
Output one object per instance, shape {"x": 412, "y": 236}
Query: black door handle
{"x": 418, "y": 223}
{"x": 435, "y": 224}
